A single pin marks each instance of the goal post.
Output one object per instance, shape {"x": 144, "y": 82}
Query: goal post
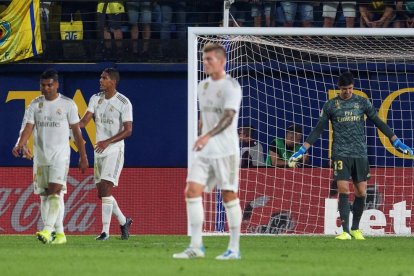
{"x": 287, "y": 74}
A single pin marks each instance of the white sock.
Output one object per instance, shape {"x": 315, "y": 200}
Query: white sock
{"x": 117, "y": 212}
{"x": 107, "y": 205}
{"x": 44, "y": 208}
{"x": 53, "y": 212}
{"x": 195, "y": 216}
{"x": 234, "y": 218}
{"x": 59, "y": 220}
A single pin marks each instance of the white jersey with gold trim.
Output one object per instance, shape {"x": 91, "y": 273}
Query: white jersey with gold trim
{"x": 51, "y": 120}
{"x": 214, "y": 97}
{"x": 110, "y": 115}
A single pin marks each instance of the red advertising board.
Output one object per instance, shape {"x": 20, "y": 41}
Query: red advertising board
{"x": 274, "y": 201}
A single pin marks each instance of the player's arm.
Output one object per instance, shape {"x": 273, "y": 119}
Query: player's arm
{"x": 26, "y": 152}
{"x": 276, "y": 160}
{"x": 384, "y": 128}
{"x": 85, "y": 119}
{"x": 125, "y": 133}
{"x": 313, "y": 136}
{"x": 77, "y": 135}
{"x": 22, "y": 141}
{"x": 224, "y": 123}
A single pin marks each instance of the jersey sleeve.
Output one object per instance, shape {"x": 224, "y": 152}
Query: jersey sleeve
{"x": 232, "y": 95}
{"x": 29, "y": 113}
{"x": 91, "y": 105}
{"x": 323, "y": 120}
{"x": 373, "y": 116}
{"x": 24, "y": 121}
{"x": 73, "y": 117}
{"x": 127, "y": 112}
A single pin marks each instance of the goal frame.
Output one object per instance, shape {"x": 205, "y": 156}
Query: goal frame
{"x": 192, "y": 65}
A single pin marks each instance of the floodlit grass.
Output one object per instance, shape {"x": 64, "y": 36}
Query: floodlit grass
{"x": 261, "y": 255}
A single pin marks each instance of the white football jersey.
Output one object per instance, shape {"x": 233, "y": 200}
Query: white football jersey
{"x": 51, "y": 120}
{"x": 110, "y": 115}
{"x": 214, "y": 97}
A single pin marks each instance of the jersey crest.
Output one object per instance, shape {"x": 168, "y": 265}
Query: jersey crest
{"x": 337, "y": 105}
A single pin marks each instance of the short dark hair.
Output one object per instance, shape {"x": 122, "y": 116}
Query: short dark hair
{"x": 50, "y": 74}
{"x": 218, "y": 48}
{"x": 113, "y": 74}
{"x": 295, "y": 128}
{"x": 247, "y": 130}
{"x": 346, "y": 79}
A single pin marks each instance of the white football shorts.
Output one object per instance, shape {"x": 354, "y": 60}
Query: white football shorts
{"x": 222, "y": 173}
{"x": 330, "y": 8}
{"x": 109, "y": 167}
{"x": 43, "y": 175}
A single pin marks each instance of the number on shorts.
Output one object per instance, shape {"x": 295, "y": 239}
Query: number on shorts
{"x": 338, "y": 165}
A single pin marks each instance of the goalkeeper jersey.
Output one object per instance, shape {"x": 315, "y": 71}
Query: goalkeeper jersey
{"x": 347, "y": 117}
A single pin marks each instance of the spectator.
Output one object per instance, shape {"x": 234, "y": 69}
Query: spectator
{"x": 405, "y": 14}
{"x": 173, "y": 12}
{"x": 204, "y": 13}
{"x": 260, "y": 7}
{"x": 330, "y": 9}
{"x": 110, "y": 19}
{"x": 251, "y": 150}
{"x": 289, "y": 11}
{"x": 140, "y": 15}
{"x": 280, "y": 150}
{"x": 44, "y": 12}
{"x": 239, "y": 11}
{"x": 377, "y": 14}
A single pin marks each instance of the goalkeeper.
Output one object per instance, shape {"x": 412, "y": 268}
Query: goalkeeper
{"x": 349, "y": 149}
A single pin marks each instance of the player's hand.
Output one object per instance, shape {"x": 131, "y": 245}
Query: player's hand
{"x": 83, "y": 164}
{"x": 402, "y": 147}
{"x": 101, "y": 146}
{"x": 201, "y": 142}
{"x": 27, "y": 153}
{"x": 17, "y": 150}
{"x": 296, "y": 157}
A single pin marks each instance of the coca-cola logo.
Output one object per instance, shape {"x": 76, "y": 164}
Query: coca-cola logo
{"x": 25, "y": 206}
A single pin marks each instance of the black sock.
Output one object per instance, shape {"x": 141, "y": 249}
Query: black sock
{"x": 357, "y": 210}
{"x": 343, "y": 207}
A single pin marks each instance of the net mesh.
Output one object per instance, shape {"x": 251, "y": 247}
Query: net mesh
{"x": 286, "y": 80}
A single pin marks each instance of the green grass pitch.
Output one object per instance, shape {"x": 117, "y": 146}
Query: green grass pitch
{"x": 261, "y": 255}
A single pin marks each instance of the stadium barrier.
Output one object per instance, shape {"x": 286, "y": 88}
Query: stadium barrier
{"x": 154, "y": 199}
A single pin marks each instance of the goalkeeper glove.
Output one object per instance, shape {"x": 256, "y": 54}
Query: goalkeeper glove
{"x": 296, "y": 156}
{"x": 402, "y": 147}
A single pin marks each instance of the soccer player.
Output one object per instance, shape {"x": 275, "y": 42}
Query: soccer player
{"x": 50, "y": 117}
{"x": 113, "y": 119}
{"x": 217, "y": 161}
{"x": 44, "y": 204}
{"x": 349, "y": 149}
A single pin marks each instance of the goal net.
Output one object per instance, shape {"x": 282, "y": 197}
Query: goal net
{"x": 287, "y": 74}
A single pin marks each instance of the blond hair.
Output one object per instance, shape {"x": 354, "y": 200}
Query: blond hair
{"x": 217, "y": 48}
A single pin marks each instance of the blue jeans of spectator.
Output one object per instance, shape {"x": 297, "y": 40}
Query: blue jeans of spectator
{"x": 290, "y": 9}
{"x": 168, "y": 12}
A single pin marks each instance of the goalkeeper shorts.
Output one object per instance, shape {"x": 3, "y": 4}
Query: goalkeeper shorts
{"x": 349, "y": 167}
